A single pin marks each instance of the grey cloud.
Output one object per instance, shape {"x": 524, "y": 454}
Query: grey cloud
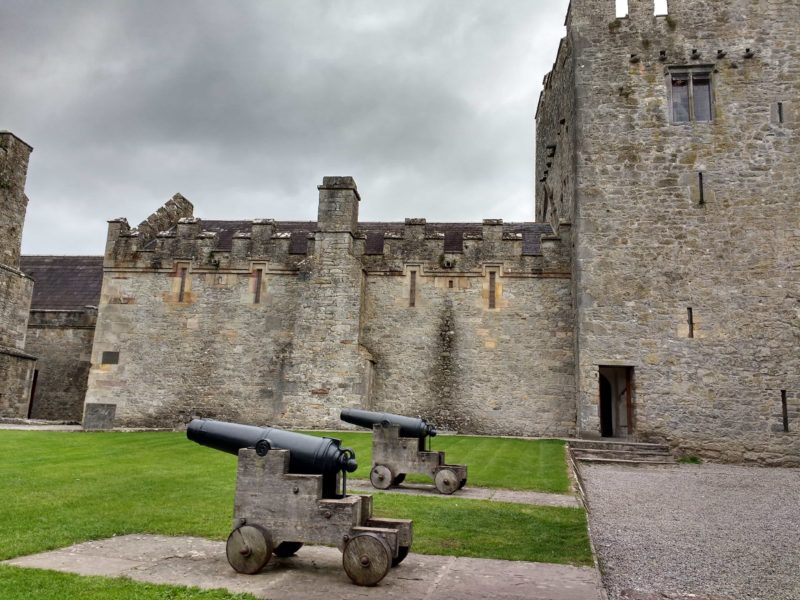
{"x": 244, "y": 106}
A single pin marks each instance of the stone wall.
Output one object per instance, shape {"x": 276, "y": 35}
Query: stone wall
{"x": 16, "y": 374}
{"x": 331, "y": 326}
{"x": 15, "y": 299}
{"x": 62, "y": 343}
{"x": 556, "y": 135}
{"x": 649, "y": 245}
{"x": 453, "y": 357}
{"x": 213, "y": 353}
{"x": 16, "y": 366}
{"x": 14, "y": 154}
{"x": 466, "y": 367}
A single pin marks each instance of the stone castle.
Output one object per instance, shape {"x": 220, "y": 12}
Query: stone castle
{"x": 656, "y": 297}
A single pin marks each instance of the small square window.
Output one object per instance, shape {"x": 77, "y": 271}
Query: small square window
{"x": 109, "y": 358}
{"x": 690, "y": 94}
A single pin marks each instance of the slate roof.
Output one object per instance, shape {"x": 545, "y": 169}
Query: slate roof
{"x": 64, "y": 282}
{"x": 453, "y": 233}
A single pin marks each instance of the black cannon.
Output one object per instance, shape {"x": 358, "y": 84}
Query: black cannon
{"x": 290, "y": 489}
{"x": 309, "y": 455}
{"x": 409, "y": 427}
{"x": 398, "y": 448}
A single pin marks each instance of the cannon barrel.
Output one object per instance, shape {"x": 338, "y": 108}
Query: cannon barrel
{"x": 409, "y": 426}
{"x": 308, "y": 454}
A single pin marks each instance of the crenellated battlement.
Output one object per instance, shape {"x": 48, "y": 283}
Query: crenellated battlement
{"x": 177, "y": 209}
{"x": 736, "y": 26}
{"x": 381, "y": 247}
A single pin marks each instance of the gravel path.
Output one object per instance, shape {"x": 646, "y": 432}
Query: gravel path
{"x": 717, "y": 531}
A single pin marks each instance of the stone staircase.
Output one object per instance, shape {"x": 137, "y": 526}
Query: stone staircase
{"x": 620, "y": 452}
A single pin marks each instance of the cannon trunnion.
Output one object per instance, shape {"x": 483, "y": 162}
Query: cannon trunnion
{"x": 398, "y": 448}
{"x": 290, "y": 491}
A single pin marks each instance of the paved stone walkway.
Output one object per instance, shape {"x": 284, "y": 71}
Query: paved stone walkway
{"x": 471, "y": 493}
{"x": 316, "y": 573}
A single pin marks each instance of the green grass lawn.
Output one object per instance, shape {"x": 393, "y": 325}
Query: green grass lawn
{"x": 32, "y": 584}
{"x": 537, "y": 465}
{"x": 62, "y": 488}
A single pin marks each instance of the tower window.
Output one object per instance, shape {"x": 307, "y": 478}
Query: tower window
{"x": 784, "y": 411}
{"x": 182, "y": 290}
{"x": 109, "y": 358}
{"x": 259, "y": 274}
{"x": 701, "y": 189}
{"x": 690, "y": 94}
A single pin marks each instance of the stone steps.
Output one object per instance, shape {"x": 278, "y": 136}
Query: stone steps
{"x": 615, "y": 445}
{"x": 620, "y": 452}
{"x": 645, "y": 456}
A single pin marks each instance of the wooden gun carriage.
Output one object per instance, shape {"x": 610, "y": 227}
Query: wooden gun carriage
{"x": 398, "y": 448}
{"x": 290, "y": 490}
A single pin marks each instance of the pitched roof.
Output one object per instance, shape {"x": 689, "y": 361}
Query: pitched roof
{"x": 64, "y": 282}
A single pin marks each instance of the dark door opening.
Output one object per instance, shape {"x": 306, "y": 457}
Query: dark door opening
{"x": 33, "y": 392}
{"x": 606, "y": 408}
{"x": 616, "y": 401}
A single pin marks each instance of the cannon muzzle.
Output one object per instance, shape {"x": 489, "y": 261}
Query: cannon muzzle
{"x": 409, "y": 426}
{"x": 308, "y": 454}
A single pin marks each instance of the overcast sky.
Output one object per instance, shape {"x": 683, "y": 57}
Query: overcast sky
{"x": 243, "y": 106}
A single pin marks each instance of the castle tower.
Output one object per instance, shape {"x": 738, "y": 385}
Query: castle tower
{"x": 670, "y": 144}
{"x": 16, "y": 367}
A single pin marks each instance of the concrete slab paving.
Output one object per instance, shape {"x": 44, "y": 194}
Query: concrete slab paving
{"x": 316, "y": 573}
{"x": 472, "y": 493}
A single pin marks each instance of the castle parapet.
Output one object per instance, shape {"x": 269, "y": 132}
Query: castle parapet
{"x": 379, "y": 247}
{"x": 173, "y": 211}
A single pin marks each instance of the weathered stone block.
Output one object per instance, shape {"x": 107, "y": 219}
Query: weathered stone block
{"x": 98, "y": 416}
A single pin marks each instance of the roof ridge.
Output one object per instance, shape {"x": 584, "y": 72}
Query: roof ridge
{"x": 61, "y": 256}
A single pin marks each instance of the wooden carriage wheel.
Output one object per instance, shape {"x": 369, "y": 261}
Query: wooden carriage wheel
{"x": 249, "y": 549}
{"x": 366, "y": 558}
{"x": 446, "y": 481}
{"x": 381, "y": 477}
